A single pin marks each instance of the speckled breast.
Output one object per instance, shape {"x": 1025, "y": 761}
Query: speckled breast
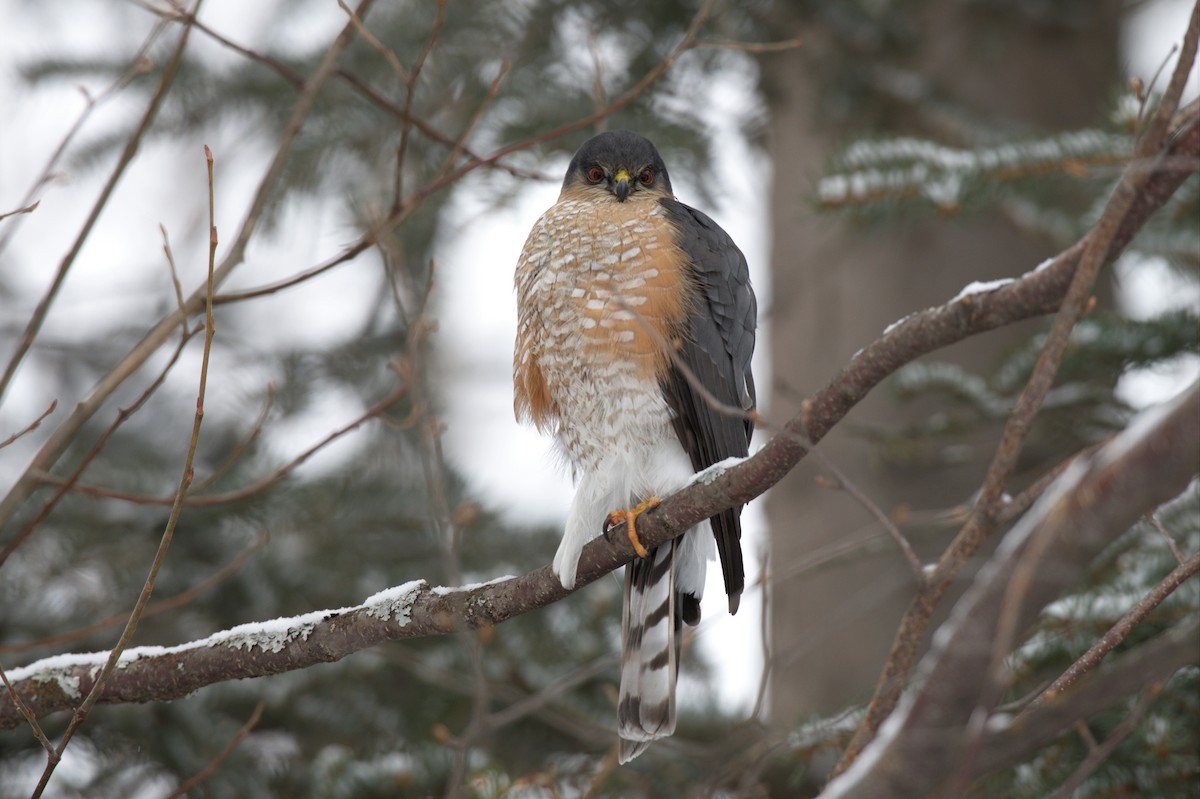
{"x": 601, "y": 293}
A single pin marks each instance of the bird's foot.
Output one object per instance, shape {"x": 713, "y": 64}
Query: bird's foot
{"x": 628, "y": 517}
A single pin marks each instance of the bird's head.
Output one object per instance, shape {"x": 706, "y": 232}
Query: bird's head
{"x": 618, "y": 164}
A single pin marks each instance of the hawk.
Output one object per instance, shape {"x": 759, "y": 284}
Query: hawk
{"x": 635, "y": 332}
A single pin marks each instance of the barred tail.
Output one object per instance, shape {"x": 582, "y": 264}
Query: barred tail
{"x": 649, "y": 652}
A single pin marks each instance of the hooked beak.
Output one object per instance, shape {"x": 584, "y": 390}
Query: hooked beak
{"x": 621, "y": 184}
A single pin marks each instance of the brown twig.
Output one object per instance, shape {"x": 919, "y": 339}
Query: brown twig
{"x": 410, "y": 90}
{"x": 1157, "y": 525}
{"x": 34, "y": 326}
{"x": 206, "y": 772}
{"x": 235, "y": 454}
{"x": 138, "y": 65}
{"x": 245, "y": 492}
{"x": 29, "y": 428}
{"x": 67, "y": 432}
{"x": 764, "y": 638}
{"x": 1098, "y": 753}
{"x": 28, "y": 209}
{"x": 1118, "y": 632}
{"x": 841, "y": 483}
{"x": 753, "y": 48}
{"x": 179, "y": 303}
{"x": 26, "y": 713}
{"x": 164, "y": 544}
{"x": 66, "y": 484}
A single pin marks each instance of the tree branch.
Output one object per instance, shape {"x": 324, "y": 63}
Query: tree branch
{"x": 415, "y": 610}
{"x": 1095, "y": 501}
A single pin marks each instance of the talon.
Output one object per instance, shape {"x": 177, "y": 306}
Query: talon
{"x": 629, "y": 518}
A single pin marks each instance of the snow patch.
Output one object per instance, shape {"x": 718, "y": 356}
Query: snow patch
{"x": 394, "y": 602}
{"x": 707, "y": 476}
{"x": 443, "y": 590}
{"x": 981, "y": 287}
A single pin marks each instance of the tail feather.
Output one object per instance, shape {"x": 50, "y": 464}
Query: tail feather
{"x": 649, "y": 652}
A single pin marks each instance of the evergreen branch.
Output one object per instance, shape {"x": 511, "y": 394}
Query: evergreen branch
{"x": 1011, "y": 740}
{"x": 1183, "y": 572}
{"x": 898, "y": 169}
{"x": 1098, "y": 753}
{"x": 1091, "y": 505}
{"x": 180, "y": 600}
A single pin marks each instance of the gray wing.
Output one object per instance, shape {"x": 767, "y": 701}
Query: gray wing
{"x": 716, "y": 348}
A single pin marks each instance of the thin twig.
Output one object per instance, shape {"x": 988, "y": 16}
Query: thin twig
{"x": 410, "y": 91}
{"x": 28, "y": 209}
{"x": 1122, "y": 628}
{"x": 34, "y": 326}
{"x": 180, "y": 304}
{"x": 27, "y": 713}
{"x": 753, "y": 48}
{"x": 202, "y": 775}
{"x": 245, "y": 492}
{"x": 235, "y": 454}
{"x": 29, "y": 428}
{"x": 1100, "y": 752}
{"x": 67, "y": 432}
{"x": 842, "y": 483}
{"x": 140, "y": 64}
{"x": 764, "y": 638}
{"x": 1157, "y": 525}
{"x": 164, "y": 544}
{"x": 66, "y": 484}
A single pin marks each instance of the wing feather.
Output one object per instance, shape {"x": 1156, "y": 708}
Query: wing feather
{"x": 716, "y": 346}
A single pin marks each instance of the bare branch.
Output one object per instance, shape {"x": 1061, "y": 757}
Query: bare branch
{"x": 124, "y": 160}
{"x": 1122, "y": 628}
{"x": 185, "y": 481}
{"x": 28, "y": 209}
{"x": 66, "y": 432}
{"x": 1100, "y": 752}
{"x": 1088, "y": 507}
{"x": 1008, "y": 741}
{"x": 29, "y": 428}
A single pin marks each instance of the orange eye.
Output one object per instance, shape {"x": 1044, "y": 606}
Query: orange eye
{"x": 647, "y": 177}
{"x": 595, "y": 174}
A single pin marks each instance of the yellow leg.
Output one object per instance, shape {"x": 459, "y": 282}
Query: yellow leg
{"x": 629, "y": 517}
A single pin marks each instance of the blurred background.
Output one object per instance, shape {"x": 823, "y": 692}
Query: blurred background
{"x": 871, "y": 158}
